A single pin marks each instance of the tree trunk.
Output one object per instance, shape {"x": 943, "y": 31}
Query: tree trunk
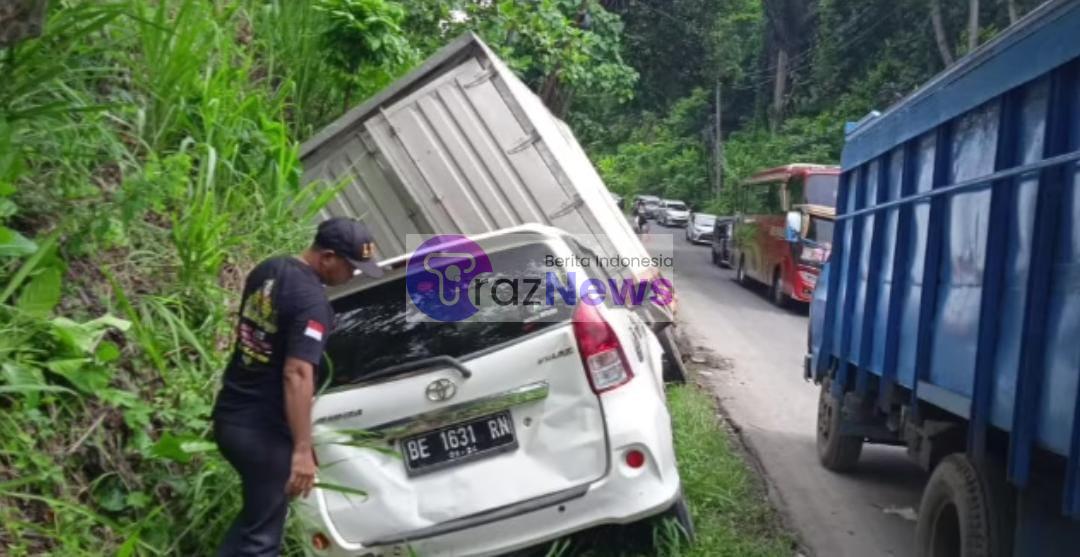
{"x": 779, "y": 87}
{"x": 939, "y": 32}
{"x": 1011, "y": 4}
{"x": 719, "y": 142}
{"x": 973, "y": 24}
{"x": 346, "y": 103}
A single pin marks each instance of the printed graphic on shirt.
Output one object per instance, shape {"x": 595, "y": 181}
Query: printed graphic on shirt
{"x": 314, "y": 330}
{"x": 259, "y": 307}
{"x": 258, "y": 322}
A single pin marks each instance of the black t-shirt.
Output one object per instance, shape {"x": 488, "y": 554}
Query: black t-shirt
{"x": 284, "y": 313}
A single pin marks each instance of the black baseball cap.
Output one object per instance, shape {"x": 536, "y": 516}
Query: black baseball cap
{"x": 350, "y": 239}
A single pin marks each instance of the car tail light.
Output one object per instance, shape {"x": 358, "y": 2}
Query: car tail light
{"x": 635, "y": 458}
{"x": 605, "y": 363}
{"x": 808, "y": 278}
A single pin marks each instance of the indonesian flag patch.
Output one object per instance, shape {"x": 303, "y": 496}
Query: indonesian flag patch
{"x": 314, "y": 330}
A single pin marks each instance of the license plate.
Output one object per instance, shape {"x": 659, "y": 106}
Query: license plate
{"x": 459, "y": 443}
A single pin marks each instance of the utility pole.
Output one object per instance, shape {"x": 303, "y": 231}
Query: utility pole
{"x": 719, "y": 184}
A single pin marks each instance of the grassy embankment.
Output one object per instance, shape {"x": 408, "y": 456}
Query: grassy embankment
{"x": 148, "y": 158}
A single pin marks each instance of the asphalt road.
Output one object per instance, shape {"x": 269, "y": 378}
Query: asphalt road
{"x": 869, "y": 512}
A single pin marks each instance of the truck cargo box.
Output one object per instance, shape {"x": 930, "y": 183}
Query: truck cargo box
{"x": 951, "y": 319}
{"x": 461, "y": 145}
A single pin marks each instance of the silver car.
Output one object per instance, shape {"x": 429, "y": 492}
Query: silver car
{"x": 699, "y": 229}
{"x": 672, "y": 212}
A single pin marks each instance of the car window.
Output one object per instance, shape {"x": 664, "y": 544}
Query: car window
{"x": 677, "y": 206}
{"x": 600, "y": 271}
{"x": 377, "y": 327}
{"x": 762, "y": 199}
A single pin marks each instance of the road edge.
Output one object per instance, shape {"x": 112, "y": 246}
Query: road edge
{"x": 741, "y": 444}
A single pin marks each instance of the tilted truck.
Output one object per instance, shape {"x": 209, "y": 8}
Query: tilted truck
{"x": 950, "y": 323}
{"x": 460, "y": 145}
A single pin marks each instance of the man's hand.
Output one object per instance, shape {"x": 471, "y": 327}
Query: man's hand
{"x": 302, "y": 475}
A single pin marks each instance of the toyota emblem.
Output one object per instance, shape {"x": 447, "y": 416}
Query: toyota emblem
{"x": 440, "y": 390}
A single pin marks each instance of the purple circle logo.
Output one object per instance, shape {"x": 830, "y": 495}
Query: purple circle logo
{"x": 438, "y": 275}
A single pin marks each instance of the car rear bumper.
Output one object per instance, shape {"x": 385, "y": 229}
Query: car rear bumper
{"x": 622, "y": 496}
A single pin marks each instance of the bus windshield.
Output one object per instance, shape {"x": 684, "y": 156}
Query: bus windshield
{"x": 820, "y": 230}
{"x": 821, "y": 189}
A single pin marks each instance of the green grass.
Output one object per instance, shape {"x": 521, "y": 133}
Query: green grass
{"x": 147, "y": 160}
{"x": 727, "y": 500}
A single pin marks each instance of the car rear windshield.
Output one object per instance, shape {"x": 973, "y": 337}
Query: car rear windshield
{"x": 378, "y": 327}
{"x": 676, "y": 206}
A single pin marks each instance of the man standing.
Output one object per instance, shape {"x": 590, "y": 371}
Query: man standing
{"x": 262, "y": 418}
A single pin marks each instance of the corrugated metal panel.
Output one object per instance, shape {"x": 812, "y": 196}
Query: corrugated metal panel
{"x": 461, "y": 145}
{"x": 371, "y": 191}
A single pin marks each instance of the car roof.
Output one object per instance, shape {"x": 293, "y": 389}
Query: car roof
{"x": 674, "y": 201}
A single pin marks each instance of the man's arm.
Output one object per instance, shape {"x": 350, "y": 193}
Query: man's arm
{"x": 299, "y": 378}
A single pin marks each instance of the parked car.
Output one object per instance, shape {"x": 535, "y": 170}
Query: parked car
{"x": 672, "y": 212}
{"x": 723, "y": 228}
{"x": 650, "y": 202}
{"x": 700, "y": 228}
{"x": 496, "y": 434}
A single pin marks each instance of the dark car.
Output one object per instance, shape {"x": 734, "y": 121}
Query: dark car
{"x": 650, "y": 204}
{"x": 722, "y": 241}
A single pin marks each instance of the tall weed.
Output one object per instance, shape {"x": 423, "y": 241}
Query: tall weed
{"x": 156, "y": 160}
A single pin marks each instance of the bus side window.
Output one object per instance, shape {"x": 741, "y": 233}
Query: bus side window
{"x": 773, "y": 202}
{"x": 794, "y": 193}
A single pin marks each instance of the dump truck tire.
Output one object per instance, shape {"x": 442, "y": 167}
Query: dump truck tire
{"x": 967, "y": 510}
{"x": 839, "y": 453}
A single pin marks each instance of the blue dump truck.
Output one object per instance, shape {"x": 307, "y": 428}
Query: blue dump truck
{"x": 948, "y": 320}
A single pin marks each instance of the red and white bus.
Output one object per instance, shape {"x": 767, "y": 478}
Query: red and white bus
{"x": 783, "y": 233}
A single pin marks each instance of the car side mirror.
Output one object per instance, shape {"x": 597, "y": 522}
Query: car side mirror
{"x": 793, "y": 227}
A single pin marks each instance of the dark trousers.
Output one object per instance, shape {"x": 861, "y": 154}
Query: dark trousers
{"x": 263, "y": 458}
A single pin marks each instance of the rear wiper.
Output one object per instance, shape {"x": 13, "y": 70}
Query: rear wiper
{"x": 415, "y": 365}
